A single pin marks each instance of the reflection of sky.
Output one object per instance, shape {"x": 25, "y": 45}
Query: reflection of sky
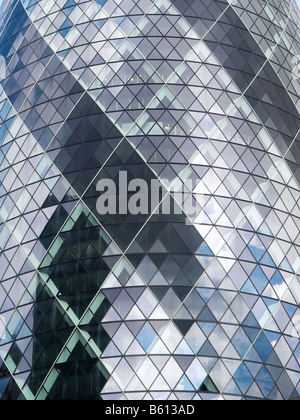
{"x": 147, "y": 337}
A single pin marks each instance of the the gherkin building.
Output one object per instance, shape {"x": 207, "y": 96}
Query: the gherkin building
{"x": 201, "y": 306}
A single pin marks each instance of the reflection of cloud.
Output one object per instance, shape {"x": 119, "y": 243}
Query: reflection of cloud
{"x": 279, "y": 290}
{"x": 214, "y": 240}
{"x": 257, "y": 243}
{"x": 180, "y": 386}
{"x": 196, "y": 374}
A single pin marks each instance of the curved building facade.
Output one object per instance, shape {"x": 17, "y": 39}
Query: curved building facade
{"x": 188, "y": 305}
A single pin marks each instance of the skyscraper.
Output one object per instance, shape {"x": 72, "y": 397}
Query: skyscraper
{"x": 184, "y": 305}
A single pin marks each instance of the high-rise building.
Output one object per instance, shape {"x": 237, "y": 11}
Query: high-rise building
{"x": 199, "y": 304}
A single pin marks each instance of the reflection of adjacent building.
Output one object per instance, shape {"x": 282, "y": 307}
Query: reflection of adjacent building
{"x": 69, "y": 339}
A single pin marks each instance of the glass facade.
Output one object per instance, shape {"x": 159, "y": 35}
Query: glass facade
{"x": 153, "y": 306}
